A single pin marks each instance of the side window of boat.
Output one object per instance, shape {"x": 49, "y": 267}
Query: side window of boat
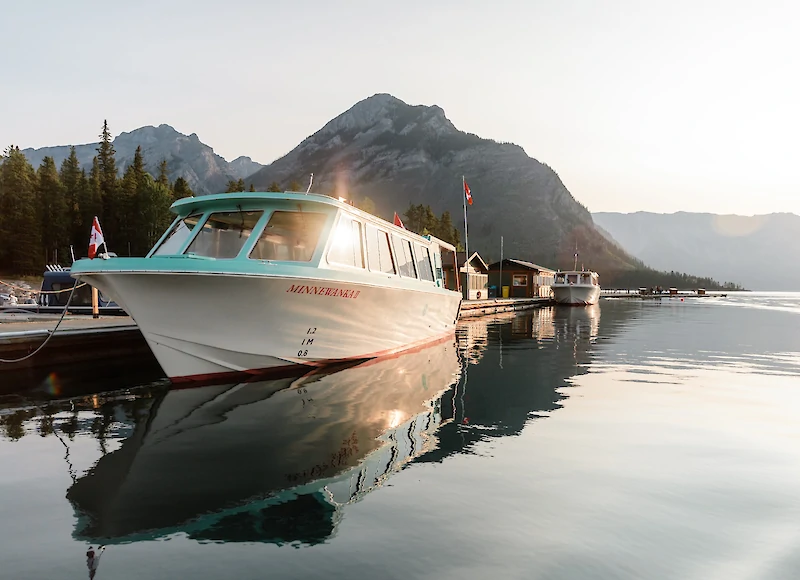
{"x": 346, "y": 246}
{"x": 379, "y": 254}
{"x": 405, "y": 257}
{"x": 224, "y": 233}
{"x": 178, "y": 235}
{"x": 289, "y": 236}
{"x": 423, "y": 263}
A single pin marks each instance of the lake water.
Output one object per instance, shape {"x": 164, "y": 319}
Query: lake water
{"x": 637, "y": 439}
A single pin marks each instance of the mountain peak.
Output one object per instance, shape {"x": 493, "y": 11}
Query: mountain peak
{"x": 383, "y": 112}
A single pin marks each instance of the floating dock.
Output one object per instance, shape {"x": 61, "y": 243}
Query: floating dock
{"x": 471, "y": 308}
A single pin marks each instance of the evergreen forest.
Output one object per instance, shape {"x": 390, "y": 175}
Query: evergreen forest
{"x": 45, "y": 210}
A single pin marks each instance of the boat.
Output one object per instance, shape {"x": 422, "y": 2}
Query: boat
{"x": 266, "y": 461}
{"x": 250, "y": 283}
{"x": 56, "y": 283}
{"x": 576, "y": 287}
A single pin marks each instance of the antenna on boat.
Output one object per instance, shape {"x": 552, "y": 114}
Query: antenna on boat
{"x": 575, "y": 267}
{"x": 310, "y": 181}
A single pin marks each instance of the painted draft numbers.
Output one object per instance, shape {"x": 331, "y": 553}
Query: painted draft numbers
{"x": 307, "y": 341}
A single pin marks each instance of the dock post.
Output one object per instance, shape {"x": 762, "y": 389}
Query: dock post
{"x": 95, "y": 304}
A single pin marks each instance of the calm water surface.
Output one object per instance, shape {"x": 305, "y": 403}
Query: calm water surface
{"x": 637, "y": 439}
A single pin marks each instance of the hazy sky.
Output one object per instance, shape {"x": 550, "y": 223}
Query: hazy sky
{"x": 658, "y": 106}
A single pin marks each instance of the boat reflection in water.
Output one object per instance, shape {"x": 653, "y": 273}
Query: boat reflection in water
{"x": 269, "y": 461}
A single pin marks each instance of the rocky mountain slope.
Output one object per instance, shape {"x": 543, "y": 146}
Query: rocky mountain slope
{"x": 746, "y": 249}
{"x": 187, "y": 157}
{"x": 397, "y": 154}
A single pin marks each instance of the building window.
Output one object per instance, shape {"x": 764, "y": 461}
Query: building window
{"x": 379, "y": 253}
{"x": 424, "y": 263}
{"x": 405, "y": 257}
{"x": 289, "y": 236}
{"x": 223, "y": 234}
{"x": 520, "y": 280}
{"x": 346, "y": 248}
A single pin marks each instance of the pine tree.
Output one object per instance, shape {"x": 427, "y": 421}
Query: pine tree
{"x": 163, "y": 177}
{"x": 152, "y": 215}
{"x": 181, "y": 189}
{"x": 295, "y": 186}
{"x": 252, "y": 187}
{"x": 108, "y": 185}
{"x": 73, "y": 181}
{"x": 274, "y": 186}
{"x": 234, "y": 186}
{"x": 54, "y": 216}
{"x": 127, "y": 221}
{"x": 430, "y": 222}
{"x": 91, "y": 206}
{"x": 20, "y": 225}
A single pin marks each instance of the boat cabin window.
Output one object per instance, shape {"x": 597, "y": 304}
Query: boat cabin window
{"x": 572, "y": 278}
{"x": 289, "y": 236}
{"x": 224, "y": 234}
{"x": 424, "y": 263}
{"x": 437, "y": 266}
{"x": 560, "y": 278}
{"x": 178, "y": 235}
{"x": 379, "y": 254}
{"x": 346, "y": 246}
{"x": 405, "y": 258}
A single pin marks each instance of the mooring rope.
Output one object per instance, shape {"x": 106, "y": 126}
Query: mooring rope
{"x": 15, "y": 287}
{"x": 46, "y": 340}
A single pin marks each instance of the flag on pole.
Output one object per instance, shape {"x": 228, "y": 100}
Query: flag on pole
{"x": 96, "y": 238}
{"x": 398, "y": 222}
{"x": 468, "y": 193}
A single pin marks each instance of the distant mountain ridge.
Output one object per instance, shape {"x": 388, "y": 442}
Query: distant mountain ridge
{"x": 398, "y": 154}
{"x": 186, "y": 156}
{"x": 758, "y": 252}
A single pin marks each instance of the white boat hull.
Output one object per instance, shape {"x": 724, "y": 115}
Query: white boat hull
{"x": 204, "y": 327}
{"x": 576, "y": 294}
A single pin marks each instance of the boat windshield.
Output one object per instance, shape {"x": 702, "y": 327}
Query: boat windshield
{"x": 224, "y": 233}
{"x": 178, "y": 235}
{"x": 289, "y": 236}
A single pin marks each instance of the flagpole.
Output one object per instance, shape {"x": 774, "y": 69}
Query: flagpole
{"x": 466, "y": 233}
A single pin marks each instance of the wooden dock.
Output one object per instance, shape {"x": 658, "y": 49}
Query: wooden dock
{"x": 79, "y": 340}
{"x": 471, "y": 308}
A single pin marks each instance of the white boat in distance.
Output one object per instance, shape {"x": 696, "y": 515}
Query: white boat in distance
{"x": 251, "y": 283}
{"x": 580, "y": 288}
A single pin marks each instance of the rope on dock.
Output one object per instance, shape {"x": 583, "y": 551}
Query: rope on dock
{"x": 15, "y": 287}
{"x": 49, "y": 336}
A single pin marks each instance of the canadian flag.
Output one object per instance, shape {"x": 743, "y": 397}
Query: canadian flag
{"x": 468, "y": 193}
{"x": 96, "y": 239}
{"x": 398, "y": 222}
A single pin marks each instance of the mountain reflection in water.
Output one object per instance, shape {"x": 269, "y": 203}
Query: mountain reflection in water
{"x": 275, "y": 461}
